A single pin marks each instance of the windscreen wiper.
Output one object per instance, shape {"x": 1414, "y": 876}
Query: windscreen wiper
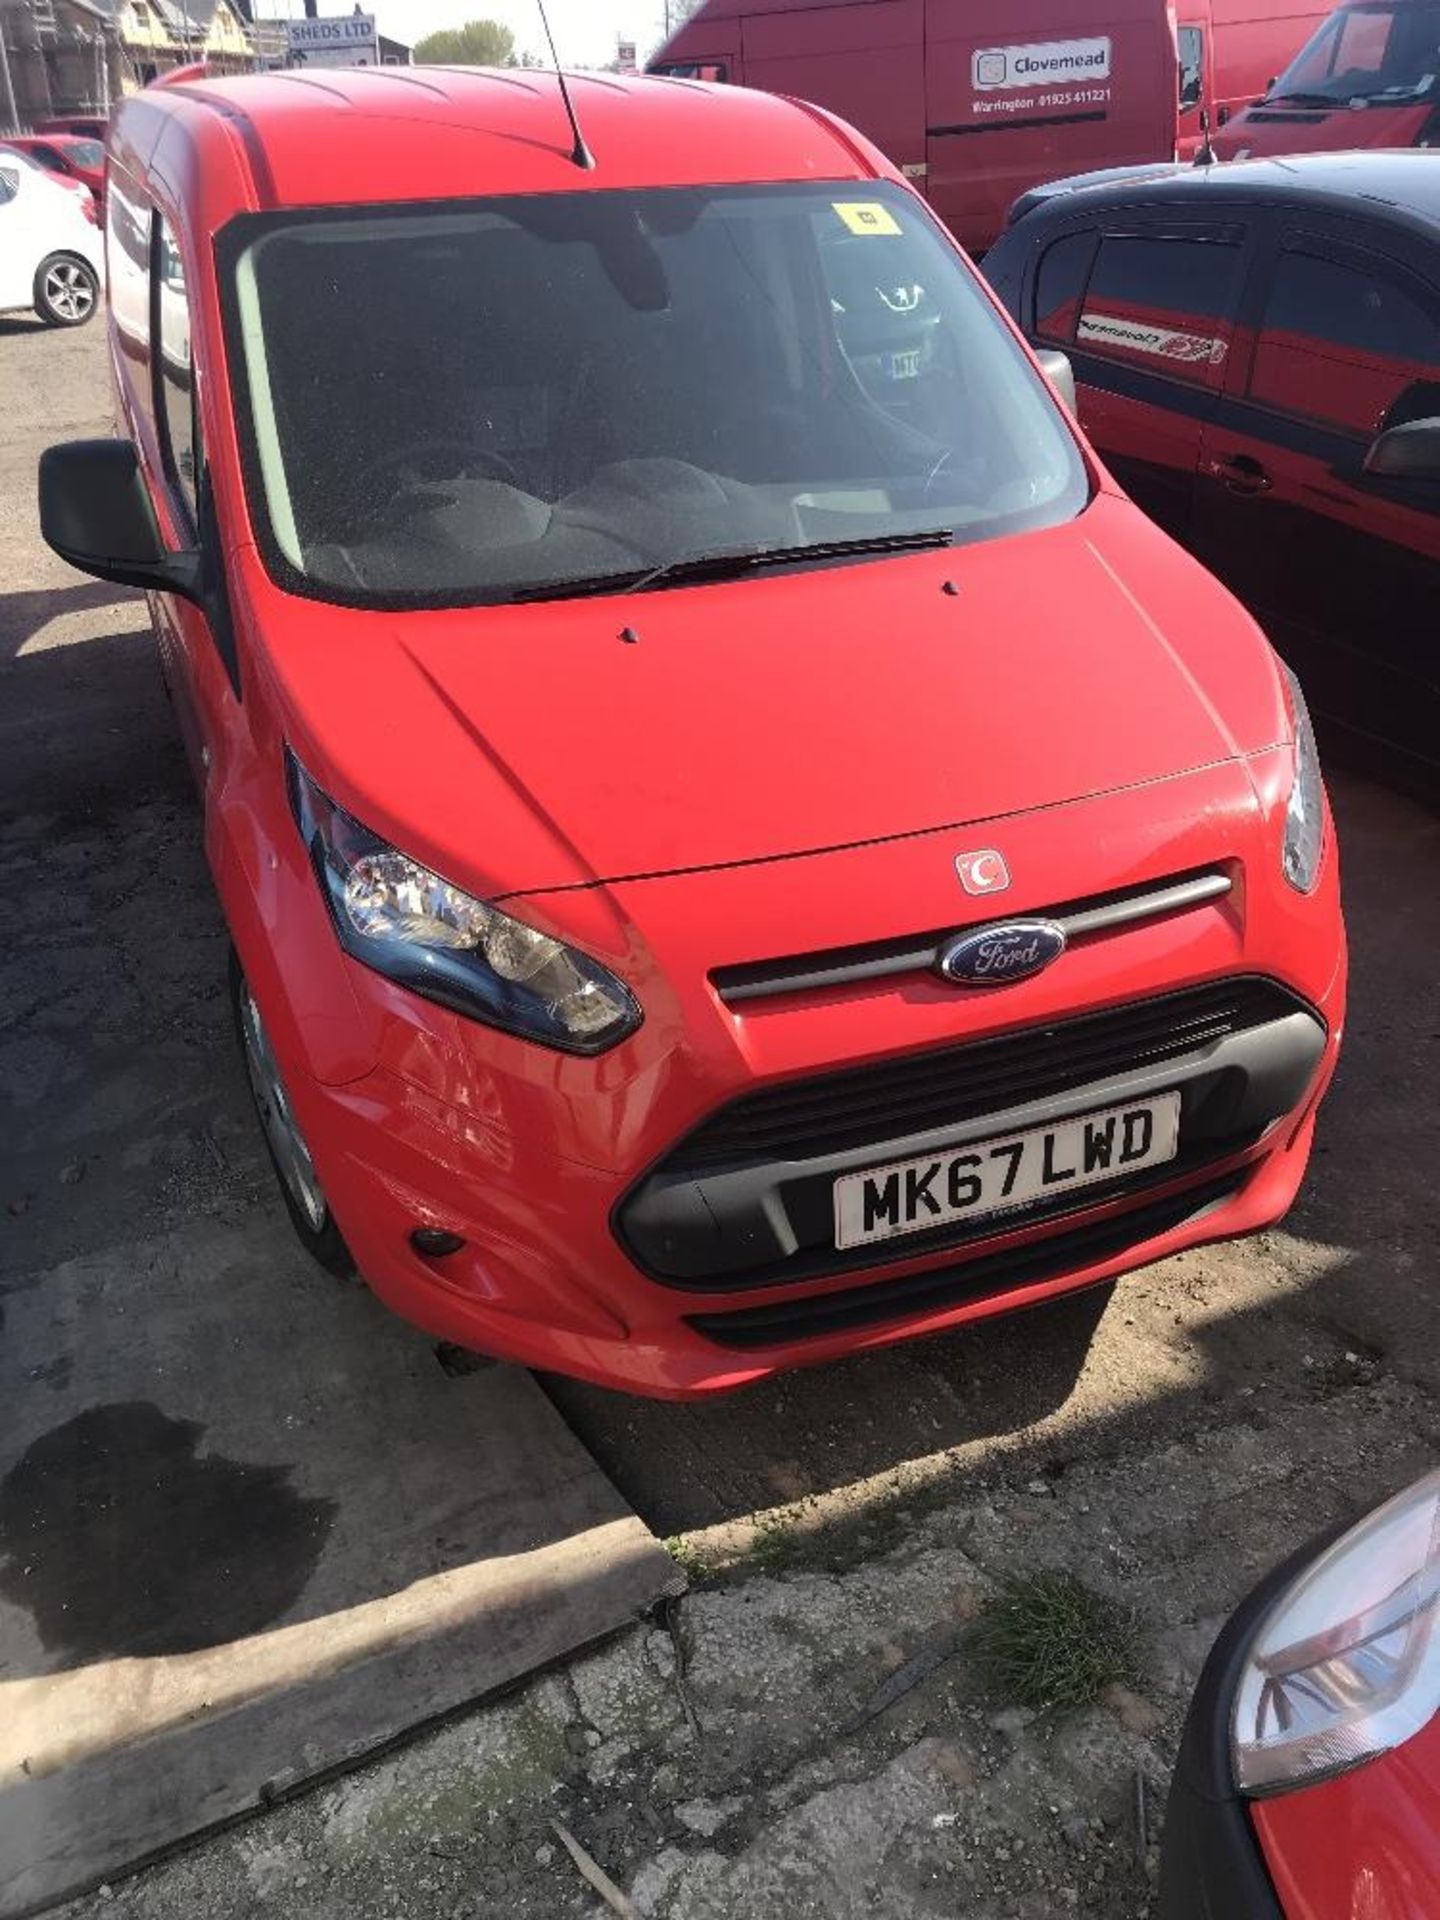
{"x": 1303, "y": 100}
{"x": 731, "y": 564}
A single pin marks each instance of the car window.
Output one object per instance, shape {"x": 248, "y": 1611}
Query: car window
{"x": 87, "y": 153}
{"x": 715, "y": 71}
{"x": 1341, "y": 343}
{"x": 1164, "y": 304}
{"x": 1191, "y": 44}
{"x": 604, "y": 382}
{"x": 9, "y": 186}
{"x": 170, "y": 332}
{"x": 128, "y": 219}
{"x": 1060, "y": 286}
{"x": 50, "y": 157}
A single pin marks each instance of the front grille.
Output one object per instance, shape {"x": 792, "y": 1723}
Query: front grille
{"x": 920, "y": 952}
{"x": 1005, "y": 1272}
{"x": 893, "y": 1099}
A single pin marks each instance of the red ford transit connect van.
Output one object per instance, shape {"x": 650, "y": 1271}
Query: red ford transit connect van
{"x": 978, "y": 100}
{"x": 741, "y": 844}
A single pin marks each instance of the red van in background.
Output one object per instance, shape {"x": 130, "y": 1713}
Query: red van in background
{"x": 977, "y": 103}
{"x": 1369, "y": 77}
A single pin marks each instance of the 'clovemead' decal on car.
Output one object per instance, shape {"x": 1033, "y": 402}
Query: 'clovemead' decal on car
{"x": 1163, "y": 343}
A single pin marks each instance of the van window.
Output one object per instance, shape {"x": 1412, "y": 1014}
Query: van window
{"x": 1341, "y": 343}
{"x": 712, "y": 70}
{"x": 1163, "y": 304}
{"x": 171, "y": 334}
{"x": 598, "y": 384}
{"x": 128, "y": 219}
{"x": 1191, "y": 45}
{"x": 1060, "y": 286}
{"x": 1374, "y": 54}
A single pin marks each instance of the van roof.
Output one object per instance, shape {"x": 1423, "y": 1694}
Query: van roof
{"x": 1403, "y": 182}
{"x": 356, "y": 134}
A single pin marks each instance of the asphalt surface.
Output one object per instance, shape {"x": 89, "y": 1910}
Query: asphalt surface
{"x": 129, "y": 1072}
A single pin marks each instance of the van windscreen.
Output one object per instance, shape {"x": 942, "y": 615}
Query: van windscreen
{"x": 1378, "y": 54}
{"x": 477, "y": 401}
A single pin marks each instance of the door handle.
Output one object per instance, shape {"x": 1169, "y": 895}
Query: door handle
{"x": 1241, "y": 474}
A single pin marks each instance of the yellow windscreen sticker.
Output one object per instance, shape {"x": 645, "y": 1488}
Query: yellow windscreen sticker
{"x": 866, "y": 216}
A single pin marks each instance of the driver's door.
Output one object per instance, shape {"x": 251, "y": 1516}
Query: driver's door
{"x": 1341, "y": 570}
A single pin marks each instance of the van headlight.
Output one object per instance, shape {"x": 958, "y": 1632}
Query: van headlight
{"x": 1305, "y": 815}
{"x": 1346, "y": 1665}
{"x": 398, "y": 917}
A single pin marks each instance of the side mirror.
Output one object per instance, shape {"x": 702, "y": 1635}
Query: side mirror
{"x": 1411, "y": 452}
{"x": 95, "y": 512}
{"x": 1058, "y": 371}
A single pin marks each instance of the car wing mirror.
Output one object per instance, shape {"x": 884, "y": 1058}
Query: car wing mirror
{"x": 96, "y": 512}
{"x": 1411, "y": 452}
{"x": 1058, "y": 371}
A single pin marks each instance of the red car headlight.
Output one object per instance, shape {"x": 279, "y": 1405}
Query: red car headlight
{"x": 1346, "y": 1665}
{"x": 395, "y": 915}
{"x": 1305, "y": 814}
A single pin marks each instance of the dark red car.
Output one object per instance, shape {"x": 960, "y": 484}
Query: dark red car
{"x": 88, "y": 128}
{"x": 73, "y": 154}
{"x": 1308, "y": 1782}
{"x": 1257, "y": 352}
{"x": 741, "y": 843}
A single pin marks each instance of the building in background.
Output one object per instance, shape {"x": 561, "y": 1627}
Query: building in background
{"x": 158, "y": 35}
{"x": 57, "y": 57}
{"x": 74, "y": 58}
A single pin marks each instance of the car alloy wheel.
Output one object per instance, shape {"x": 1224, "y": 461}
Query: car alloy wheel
{"x": 67, "y": 292}
{"x": 282, "y": 1131}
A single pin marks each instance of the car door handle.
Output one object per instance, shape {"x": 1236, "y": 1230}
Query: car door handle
{"x": 1241, "y": 474}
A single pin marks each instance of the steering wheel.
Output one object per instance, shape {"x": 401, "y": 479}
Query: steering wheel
{"x": 416, "y": 450}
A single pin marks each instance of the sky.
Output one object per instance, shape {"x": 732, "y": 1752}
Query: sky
{"x": 585, "y": 30}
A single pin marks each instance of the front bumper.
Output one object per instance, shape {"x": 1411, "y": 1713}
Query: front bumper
{"x": 594, "y": 1248}
{"x": 748, "y": 1203}
{"x": 544, "y": 1281}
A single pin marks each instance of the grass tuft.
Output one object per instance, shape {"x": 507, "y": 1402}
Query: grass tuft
{"x": 1046, "y": 1641}
{"x": 688, "y": 1557}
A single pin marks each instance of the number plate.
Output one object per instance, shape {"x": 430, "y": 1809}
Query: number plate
{"x": 998, "y": 1176}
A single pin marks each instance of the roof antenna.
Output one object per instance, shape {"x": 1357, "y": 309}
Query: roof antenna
{"x": 1205, "y": 152}
{"x": 579, "y": 153}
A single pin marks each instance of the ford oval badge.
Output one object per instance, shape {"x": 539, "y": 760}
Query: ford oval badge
{"x": 994, "y": 956}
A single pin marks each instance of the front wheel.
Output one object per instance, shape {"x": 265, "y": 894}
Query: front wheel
{"x": 67, "y": 290}
{"x": 300, "y": 1187}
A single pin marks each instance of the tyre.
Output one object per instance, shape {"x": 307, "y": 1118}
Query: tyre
{"x": 300, "y": 1188}
{"x": 67, "y": 290}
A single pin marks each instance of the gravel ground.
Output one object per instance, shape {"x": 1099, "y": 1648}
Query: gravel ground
{"x": 805, "y": 1733}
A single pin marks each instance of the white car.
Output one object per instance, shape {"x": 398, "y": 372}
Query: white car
{"x": 52, "y": 255}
